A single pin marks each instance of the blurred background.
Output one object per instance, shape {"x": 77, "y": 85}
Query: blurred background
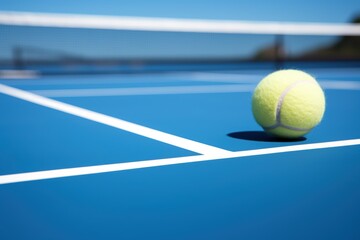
{"x": 56, "y": 50}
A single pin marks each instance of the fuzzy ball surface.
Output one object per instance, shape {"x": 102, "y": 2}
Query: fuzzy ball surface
{"x": 288, "y": 103}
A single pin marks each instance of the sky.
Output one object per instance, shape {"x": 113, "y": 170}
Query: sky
{"x": 133, "y": 44}
{"x": 255, "y": 10}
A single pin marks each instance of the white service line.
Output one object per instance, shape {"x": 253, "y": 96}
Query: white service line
{"x": 228, "y": 88}
{"x": 78, "y": 171}
{"x": 85, "y": 81}
{"x": 340, "y": 85}
{"x": 226, "y": 77}
{"x": 93, "y": 92}
{"x": 165, "y": 77}
{"x": 113, "y": 122}
{"x": 256, "y": 78}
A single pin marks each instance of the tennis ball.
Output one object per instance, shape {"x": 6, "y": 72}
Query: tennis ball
{"x": 288, "y": 103}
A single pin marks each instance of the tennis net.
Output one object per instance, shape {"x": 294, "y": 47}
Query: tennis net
{"x": 71, "y": 44}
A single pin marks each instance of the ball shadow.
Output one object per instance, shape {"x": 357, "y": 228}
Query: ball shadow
{"x": 261, "y": 136}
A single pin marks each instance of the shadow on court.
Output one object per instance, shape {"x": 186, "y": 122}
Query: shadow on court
{"x": 261, "y": 137}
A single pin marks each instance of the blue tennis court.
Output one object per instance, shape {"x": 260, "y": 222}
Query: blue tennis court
{"x": 118, "y": 127}
{"x": 216, "y": 176}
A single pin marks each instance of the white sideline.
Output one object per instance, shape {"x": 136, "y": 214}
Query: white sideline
{"x": 174, "y": 25}
{"x": 78, "y": 171}
{"x": 113, "y": 122}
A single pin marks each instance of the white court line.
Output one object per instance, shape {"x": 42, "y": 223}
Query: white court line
{"x": 340, "y": 85}
{"x": 226, "y": 77}
{"x": 256, "y": 78}
{"x": 78, "y": 171}
{"x": 154, "y": 78}
{"x": 85, "y": 81}
{"x": 229, "y": 88}
{"x": 103, "y": 80}
{"x": 113, "y": 122}
{"x": 144, "y": 90}
{"x": 241, "y": 78}
{"x": 18, "y": 74}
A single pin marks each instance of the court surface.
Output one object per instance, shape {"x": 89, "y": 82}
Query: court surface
{"x": 173, "y": 156}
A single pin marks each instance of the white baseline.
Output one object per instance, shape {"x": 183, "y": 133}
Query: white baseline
{"x": 78, "y": 171}
{"x": 98, "y": 92}
{"x": 225, "y": 88}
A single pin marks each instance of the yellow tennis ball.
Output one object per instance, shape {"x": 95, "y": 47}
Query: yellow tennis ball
{"x": 288, "y": 103}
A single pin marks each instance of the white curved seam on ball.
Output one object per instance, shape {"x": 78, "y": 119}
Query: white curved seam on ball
{"x": 278, "y": 122}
